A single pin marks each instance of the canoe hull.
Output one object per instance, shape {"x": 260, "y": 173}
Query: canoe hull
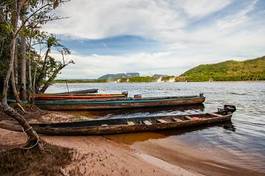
{"x": 119, "y": 104}
{"x": 79, "y": 92}
{"x": 118, "y": 129}
{"x": 78, "y": 97}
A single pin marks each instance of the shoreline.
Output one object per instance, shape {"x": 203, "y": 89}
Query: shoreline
{"x": 84, "y": 82}
{"x": 100, "y": 155}
{"x": 96, "y": 155}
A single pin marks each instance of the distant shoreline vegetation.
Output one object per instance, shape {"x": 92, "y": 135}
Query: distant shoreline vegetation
{"x": 248, "y": 70}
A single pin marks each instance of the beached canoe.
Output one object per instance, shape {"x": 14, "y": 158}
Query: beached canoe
{"x": 79, "y": 92}
{"x": 104, "y": 104}
{"x": 78, "y": 96}
{"x": 136, "y": 124}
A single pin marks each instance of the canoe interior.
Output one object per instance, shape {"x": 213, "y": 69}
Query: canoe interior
{"x": 78, "y": 96}
{"x": 79, "y": 91}
{"x": 130, "y": 121}
{"x": 135, "y": 124}
{"x": 98, "y": 113}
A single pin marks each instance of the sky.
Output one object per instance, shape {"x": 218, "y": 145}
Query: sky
{"x": 157, "y": 36}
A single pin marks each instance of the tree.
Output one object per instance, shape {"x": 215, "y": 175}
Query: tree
{"x": 12, "y": 24}
{"x": 46, "y": 76}
{"x": 33, "y": 137}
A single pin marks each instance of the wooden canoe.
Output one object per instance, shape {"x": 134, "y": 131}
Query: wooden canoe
{"x": 79, "y": 92}
{"x": 136, "y": 124}
{"x": 104, "y": 104}
{"x": 78, "y": 96}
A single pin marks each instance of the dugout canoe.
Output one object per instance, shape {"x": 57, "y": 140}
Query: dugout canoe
{"x": 85, "y": 91}
{"x": 136, "y": 124}
{"x": 78, "y": 96}
{"x": 126, "y": 103}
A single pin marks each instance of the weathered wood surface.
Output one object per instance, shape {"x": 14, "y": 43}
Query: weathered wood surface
{"x": 78, "y": 96}
{"x": 95, "y": 104}
{"x": 79, "y": 92}
{"x": 138, "y": 125}
{"x": 129, "y": 125}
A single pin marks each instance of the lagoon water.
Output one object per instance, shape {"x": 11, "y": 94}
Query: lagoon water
{"x": 244, "y": 139}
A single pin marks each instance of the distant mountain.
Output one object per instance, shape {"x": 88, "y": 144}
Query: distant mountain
{"x": 230, "y": 70}
{"x": 227, "y": 71}
{"x": 113, "y": 77}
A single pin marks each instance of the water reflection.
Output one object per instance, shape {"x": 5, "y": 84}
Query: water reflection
{"x": 229, "y": 127}
{"x": 132, "y": 138}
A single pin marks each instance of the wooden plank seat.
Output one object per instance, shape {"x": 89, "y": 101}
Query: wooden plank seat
{"x": 177, "y": 120}
{"x": 130, "y": 123}
{"x": 162, "y": 121}
{"x": 188, "y": 118}
{"x": 147, "y": 122}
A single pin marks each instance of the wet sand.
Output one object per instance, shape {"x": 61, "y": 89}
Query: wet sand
{"x": 211, "y": 161}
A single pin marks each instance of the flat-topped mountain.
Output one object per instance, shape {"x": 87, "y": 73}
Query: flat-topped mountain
{"x": 112, "y": 77}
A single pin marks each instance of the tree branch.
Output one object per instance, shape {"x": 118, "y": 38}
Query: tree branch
{"x": 28, "y": 18}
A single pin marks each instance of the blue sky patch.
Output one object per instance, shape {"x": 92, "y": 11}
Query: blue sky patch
{"x": 118, "y": 45}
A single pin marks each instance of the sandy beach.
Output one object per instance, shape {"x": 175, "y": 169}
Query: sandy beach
{"x": 99, "y": 156}
{"x": 130, "y": 154}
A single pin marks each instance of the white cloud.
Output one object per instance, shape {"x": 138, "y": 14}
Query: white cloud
{"x": 202, "y": 7}
{"x": 170, "y": 22}
{"x": 104, "y": 18}
{"x": 238, "y": 18}
{"x": 87, "y": 67}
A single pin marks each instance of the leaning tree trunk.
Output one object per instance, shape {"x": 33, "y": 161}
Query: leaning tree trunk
{"x": 7, "y": 109}
{"x": 51, "y": 78}
{"x": 32, "y": 135}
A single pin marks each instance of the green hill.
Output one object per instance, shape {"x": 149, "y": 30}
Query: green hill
{"x": 228, "y": 71}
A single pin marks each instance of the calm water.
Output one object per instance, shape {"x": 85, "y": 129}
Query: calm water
{"x": 246, "y": 140}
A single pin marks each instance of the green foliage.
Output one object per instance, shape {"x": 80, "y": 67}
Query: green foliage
{"x": 52, "y": 41}
{"x": 228, "y": 71}
{"x": 140, "y": 79}
{"x": 167, "y": 78}
{"x": 32, "y": 16}
{"x": 5, "y": 28}
{"x": 5, "y": 33}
